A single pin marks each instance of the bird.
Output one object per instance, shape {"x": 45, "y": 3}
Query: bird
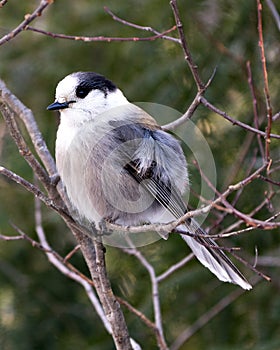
{"x": 117, "y": 164}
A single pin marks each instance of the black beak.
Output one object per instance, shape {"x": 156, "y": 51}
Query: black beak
{"x": 57, "y": 106}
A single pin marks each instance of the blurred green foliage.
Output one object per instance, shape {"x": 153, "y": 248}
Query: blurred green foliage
{"x": 42, "y": 309}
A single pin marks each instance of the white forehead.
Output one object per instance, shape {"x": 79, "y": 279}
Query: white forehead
{"x": 67, "y": 86}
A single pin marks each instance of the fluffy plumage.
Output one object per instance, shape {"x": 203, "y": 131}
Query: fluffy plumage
{"x": 118, "y": 164}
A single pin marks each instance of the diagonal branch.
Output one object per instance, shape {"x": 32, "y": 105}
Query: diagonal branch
{"x": 274, "y": 12}
{"x": 169, "y": 227}
{"x": 62, "y": 211}
{"x": 247, "y": 127}
{"x": 60, "y": 265}
{"x": 207, "y": 316}
{"x": 188, "y": 57}
{"x": 24, "y": 150}
{"x": 175, "y": 267}
{"x": 26, "y": 115}
{"x": 139, "y": 27}
{"x": 28, "y": 19}
{"x": 192, "y": 108}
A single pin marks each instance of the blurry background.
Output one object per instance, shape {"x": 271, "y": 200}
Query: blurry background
{"x": 42, "y": 309}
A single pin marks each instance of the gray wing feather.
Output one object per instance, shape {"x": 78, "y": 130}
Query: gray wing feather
{"x": 205, "y": 249}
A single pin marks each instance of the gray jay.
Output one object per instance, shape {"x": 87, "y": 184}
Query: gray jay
{"x": 117, "y": 164}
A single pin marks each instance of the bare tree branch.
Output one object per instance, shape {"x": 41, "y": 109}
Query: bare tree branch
{"x": 94, "y": 254}
{"x": 22, "y": 145}
{"x": 192, "y": 108}
{"x": 186, "y": 116}
{"x": 175, "y": 267}
{"x": 269, "y": 261}
{"x": 27, "y": 117}
{"x": 88, "y": 39}
{"x": 266, "y": 87}
{"x": 221, "y": 198}
{"x": 188, "y": 57}
{"x": 11, "y": 238}
{"x": 28, "y": 19}
{"x": 255, "y": 106}
{"x": 107, "y": 305}
{"x": 227, "y": 231}
{"x": 207, "y": 104}
{"x": 155, "y": 293}
{"x": 69, "y": 271}
{"x": 207, "y": 316}
{"x": 276, "y": 183}
{"x": 39, "y": 194}
{"x": 136, "y": 26}
{"x": 53, "y": 258}
{"x": 276, "y": 116}
{"x": 274, "y": 12}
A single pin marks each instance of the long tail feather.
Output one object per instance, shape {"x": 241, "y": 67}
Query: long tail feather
{"x": 213, "y": 258}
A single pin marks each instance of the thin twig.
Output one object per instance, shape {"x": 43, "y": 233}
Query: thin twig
{"x": 238, "y": 164}
{"x": 47, "y": 249}
{"x": 11, "y": 238}
{"x": 73, "y": 251}
{"x": 24, "y": 150}
{"x": 227, "y": 231}
{"x": 62, "y": 211}
{"x": 274, "y": 12}
{"x": 221, "y": 198}
{"x": 66, "y": 271}
{"x": 155, "y": 293}
{"x": 266, "y": 87}
{"x": 207, "y": 316}
{"x": 256, "y": 256}
{"x": 264, "y": 178}
{"x": 28, "y": 19}
{"x": 28, "y": 186}
{"x": 247, "y": 127}
{"x": 276, "y": 116}
{"x": 271, "y": 261}
{"x": 186, "y": 116}
{"x": 26, "y": 115}
{"x": 187, "y": 54}
{"x": 88, "y": 39}
{"x": 276, "y": 168}
{"x": 190, "y": 111}
{"x": 36, "y": 192}
{"x": 174, "y": 268}
{"x": 252, "y": 267}
{"x": 140, "y": 315}
{"x": 230, "y": 208}
{"x": 233, "y": 172}
{"x": 58, "y": 262}
{"x": 139, "y": 27}
{"x": 255, "y": 105}
{"x": 70, "y": 271}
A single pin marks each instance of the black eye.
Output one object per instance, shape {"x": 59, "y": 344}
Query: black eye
{"x": 82, "y": 91}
